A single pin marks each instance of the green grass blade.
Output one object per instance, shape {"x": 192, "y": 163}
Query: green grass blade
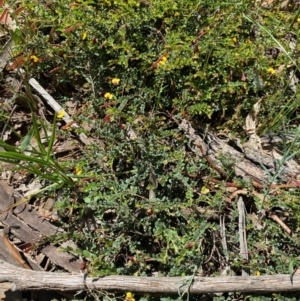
{"x": 27, "y": 140}
{"x": 52, "y": 139}
{"x": 37, "y": 135}
{"x": 7, "y": 146}
{"x": 17, "y": 157}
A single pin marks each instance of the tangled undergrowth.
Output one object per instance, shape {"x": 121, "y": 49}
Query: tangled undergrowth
{"x": 133, "y": 69}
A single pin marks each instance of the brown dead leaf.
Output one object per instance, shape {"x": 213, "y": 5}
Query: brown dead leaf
{"x": 108, "y": 104}
{"x": 250, "y": 124}
{"x": 19, "y": 10}
{"x": 243, "y": 77}
{"x": 7, "y": 20}
{"x": 5, "y": 17}
{"x": 71, "y": 28}
{"x": 231, "y": 189}
{"x": 17, "y": 63}
{"x": 108, "y": 118}
{"x": 55, "y": 69}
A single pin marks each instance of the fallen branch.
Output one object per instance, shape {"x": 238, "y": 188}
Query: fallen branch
{"x": 23, "y": 279}
{"x": 247, "y": 162}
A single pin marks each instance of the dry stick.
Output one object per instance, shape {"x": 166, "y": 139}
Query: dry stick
{"x": 242, "y": 232}
{"x": 255, "y": 184}
{"x": 23, "y": 279}
{"x": 276, "y": 218}
{"x": 212, "y": 250}
{"x": 224, "y": 242}
{"x": 57, "y": 108}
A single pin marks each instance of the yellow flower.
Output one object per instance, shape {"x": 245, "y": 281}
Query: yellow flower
{"x": 115, "y": 81}
{"x": 129, "y": 297}
{"x": 204, "y": 190}
{"x": 271, "y": 71}
{"x": 234, "y": 40}
{"x": 257, "y": 273}
{"x": 163, "y": 61}
{"x": 298, "y": 20}
{"x": 34, "y": 58}
{"x": 61, "y": 114}
{"x": 84, "y": 35}
{"x": 78, "y": 171}
{"x": 108, "y": 96}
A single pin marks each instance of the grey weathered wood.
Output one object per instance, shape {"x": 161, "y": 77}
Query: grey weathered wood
{"x": 247, "y": 162}
{"x": 242, "y": 232}
{"x": 23, "y": 279}
{"x": 21, "y": 220}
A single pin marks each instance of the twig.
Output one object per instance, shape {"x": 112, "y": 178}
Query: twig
{"x": 212, "y": 251}
{"x": 276, "y": 218}
{"x": 242, "y": 232}
{"x": 224, "y": 242}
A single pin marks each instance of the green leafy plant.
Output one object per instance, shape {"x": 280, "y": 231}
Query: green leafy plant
{"x": 138, "y": 68}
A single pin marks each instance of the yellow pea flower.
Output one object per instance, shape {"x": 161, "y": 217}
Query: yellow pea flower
{"x": 108, "y": 96}
{"x": 129, "y": 297}
{"x": 115, "y": 81}
{"x": 34, "y": 58}
{"x": 163, "y": 61}
{"x": 204, "y": 190}
{"x": 84, "y": 35}
{"x": 271, "y": 71}
{"x": 78, "y": 171}
{"x": 61, "y": 114}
